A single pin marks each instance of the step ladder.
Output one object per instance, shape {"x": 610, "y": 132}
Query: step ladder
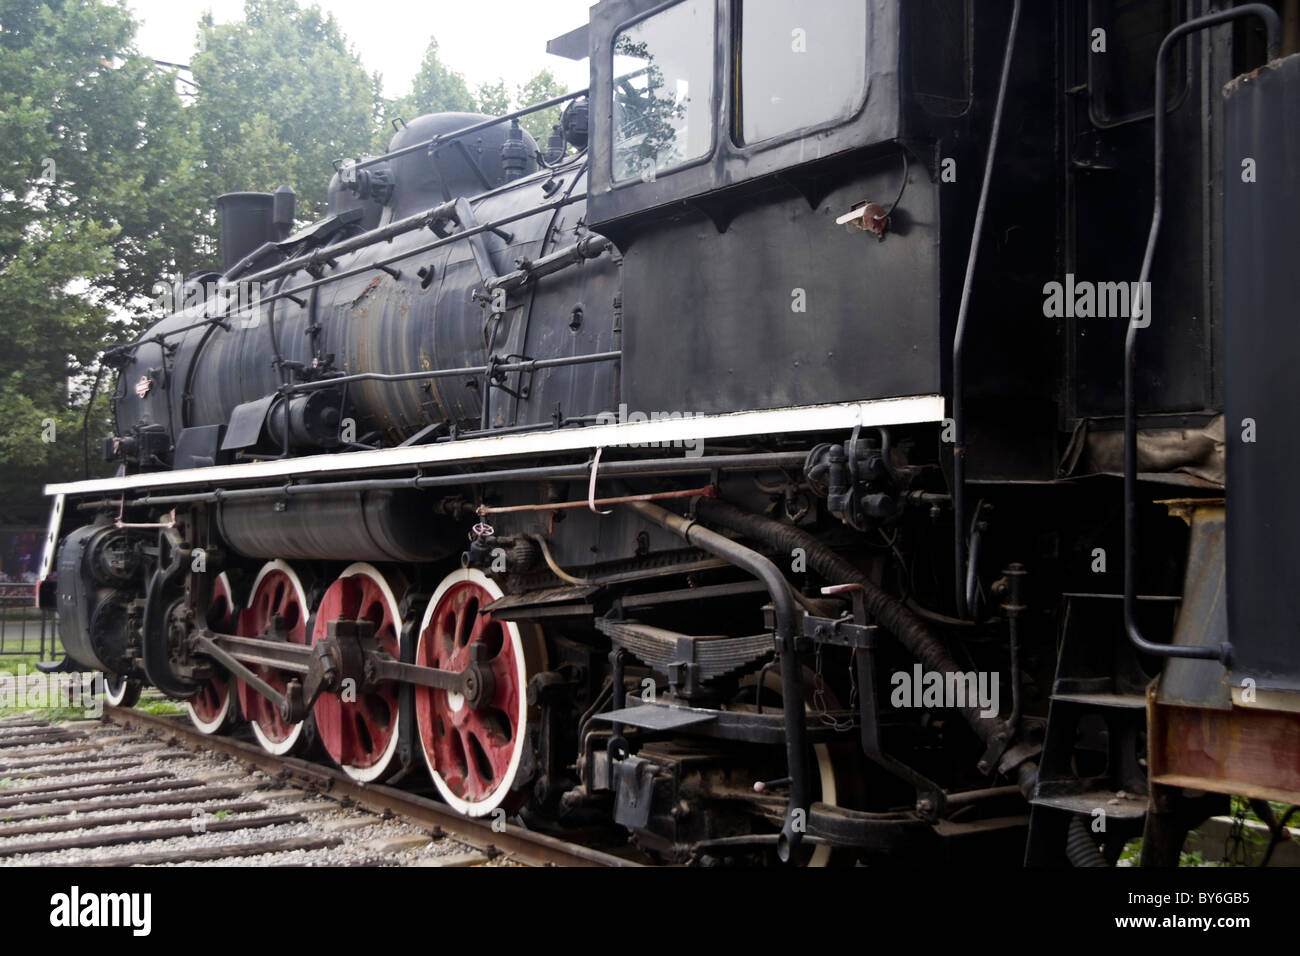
{"x": 1093, "y": 763}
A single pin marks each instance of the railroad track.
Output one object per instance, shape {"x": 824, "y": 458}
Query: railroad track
{"x": 144, "y": 789}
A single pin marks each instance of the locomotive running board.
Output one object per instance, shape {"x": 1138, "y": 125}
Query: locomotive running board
{"x": 664, "y": 433}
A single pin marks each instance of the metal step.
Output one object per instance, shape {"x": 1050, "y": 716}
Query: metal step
{"x": 1104, "y": 700}
{"x": 655, "y": 718}
{"x": 1127, "y": 807}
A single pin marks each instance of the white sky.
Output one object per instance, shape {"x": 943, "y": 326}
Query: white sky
{"x": 482, "y": 39}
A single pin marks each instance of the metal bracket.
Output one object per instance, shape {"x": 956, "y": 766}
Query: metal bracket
{"x": 841, "y": 631}
{"x": 634, "y": 781}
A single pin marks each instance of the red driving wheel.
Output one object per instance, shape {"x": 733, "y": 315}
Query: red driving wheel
{"x": 474, "y": 753}
{"x": 276, "y": 591}
{"x": 211, "y": 709}
{"x": 360, "y": 730}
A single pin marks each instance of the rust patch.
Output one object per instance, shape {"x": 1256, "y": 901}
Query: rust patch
{"x": 1246, "y": 751}
{"x": 371, "y": 286}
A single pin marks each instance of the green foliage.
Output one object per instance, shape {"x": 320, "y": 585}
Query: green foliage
{"x": 439, "y": 89}
{"x": 107, "y": 184}
{"x": 544, "y": 86}
{"x": 100, "y": 188}
{"x": 281, "y": 97}
{"x": 492, "y": 98}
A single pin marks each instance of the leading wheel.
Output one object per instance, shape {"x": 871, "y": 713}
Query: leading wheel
{"x": 121, "y": 691}
{"x": 474, "y": 753}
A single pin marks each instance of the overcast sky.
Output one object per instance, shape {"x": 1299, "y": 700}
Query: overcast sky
{"x": 482, "y": 39}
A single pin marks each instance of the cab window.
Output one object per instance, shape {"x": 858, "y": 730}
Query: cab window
{"x": 801, "y": 65}
{"x": 663, "y": 90}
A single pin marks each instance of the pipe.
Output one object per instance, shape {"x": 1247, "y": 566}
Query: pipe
{"x": 1272, "y": 27}
{"x": 642, "y": 468}
{"x": 528, "y": 365}
{"x": 476, "y": 127}
{"x": 588, "y": 247}
{"x": 886, "y": 610}
{"x": 558, "y": 571}
{"x": 792, "y": 702}
{"x": 959, "y": 336}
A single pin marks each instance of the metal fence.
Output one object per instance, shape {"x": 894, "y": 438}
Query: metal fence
{"x": 26, "y": 628}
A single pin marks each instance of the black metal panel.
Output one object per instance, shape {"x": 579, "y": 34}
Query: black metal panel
{"x": 786, "y": 307}
{"x": 1261, "y": 289}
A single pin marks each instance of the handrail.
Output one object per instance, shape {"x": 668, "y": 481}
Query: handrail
{"x": 474, "y": 128}
{"x": 1141, "y": 311}
{"x": 963, "y": 596}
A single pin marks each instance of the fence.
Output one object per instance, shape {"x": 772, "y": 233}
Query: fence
{"x": 26, "y": 628}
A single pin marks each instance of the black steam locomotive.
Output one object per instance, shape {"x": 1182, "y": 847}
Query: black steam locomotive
{"x": 817, "y": 451}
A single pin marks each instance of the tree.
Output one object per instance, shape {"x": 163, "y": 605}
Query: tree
{"x": 438, "y": 88}
{"x": 281, "y": 97}
{"x": 493, "y": 100}
{"x": 542, "y": 87}
{"x": 99, "y": 190}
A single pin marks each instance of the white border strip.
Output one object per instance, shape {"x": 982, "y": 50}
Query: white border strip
{"x": 888, "y": 411}
{"x": 51, "y": 537}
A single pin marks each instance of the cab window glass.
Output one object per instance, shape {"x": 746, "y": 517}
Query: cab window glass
{"x": 663, "y": 90}
{"x": 802, "y": 64}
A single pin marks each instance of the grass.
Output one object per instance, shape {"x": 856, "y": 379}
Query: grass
{"x": 12, "y": 666}
{"x": 166, "y": 708}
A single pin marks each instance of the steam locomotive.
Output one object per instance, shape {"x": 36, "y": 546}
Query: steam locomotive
{"x": 860, "y": 433}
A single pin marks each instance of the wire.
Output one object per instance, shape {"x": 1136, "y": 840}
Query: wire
{"x": 85, "y": 420}
{"x": 901, "y": 189}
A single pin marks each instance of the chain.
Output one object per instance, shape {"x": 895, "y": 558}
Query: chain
{"x": 819, "y": 697}
{"x": 1235, "y": 852}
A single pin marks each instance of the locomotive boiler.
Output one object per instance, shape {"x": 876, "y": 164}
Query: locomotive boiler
{"x": 729, "y": 476}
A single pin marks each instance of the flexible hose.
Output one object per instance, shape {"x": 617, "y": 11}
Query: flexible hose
{"x": 886, "y": 610}
{"x": 1080, "y": 848}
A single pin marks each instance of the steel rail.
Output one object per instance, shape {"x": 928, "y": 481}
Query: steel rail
{"x": 520, "y": 845}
